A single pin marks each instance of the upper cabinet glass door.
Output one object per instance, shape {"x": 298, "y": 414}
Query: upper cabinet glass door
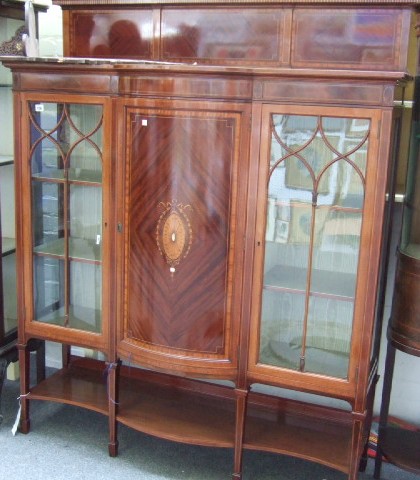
{"x": 315, "y": 194}
{"x": 66, "y": 144}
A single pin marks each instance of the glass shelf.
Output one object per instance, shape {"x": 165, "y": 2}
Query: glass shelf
{"x": 6, "y": 160}
{"x": 75, "y": 175}
{"x": 8, "y": 245}
{"x": 80, "y": 318}
{"x": 412, "y": 250}
{"x": 79, "y": 249}
{"x": 339, "y": 286}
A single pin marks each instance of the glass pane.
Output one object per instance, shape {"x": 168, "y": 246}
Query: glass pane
{"x": 86, "y": 138}
{"x": 66, "y": 164}
{"x": 281, "y": 328}
{"x": 85, "y": 163}
{"x": 48, "y": 291}
{"x": 85, "y": 222}
{"x": 85, "y": 296}
{"x": 47, "y": 214}
{"x": 314, "y": 217}
{"x": 329, "y": 335}
{"x": 47, "y": 139}
{"x": 66, "y": 134}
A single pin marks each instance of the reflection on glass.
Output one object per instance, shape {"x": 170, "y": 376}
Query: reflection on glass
{"x": 314, "y": 216}
{"x": 66, "y": 166}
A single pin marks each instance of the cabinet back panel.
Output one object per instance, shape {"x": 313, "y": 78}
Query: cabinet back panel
{"x": 349, "y": 38}
{"x": 112, "y": 34}
{"x": 225, "y": 35}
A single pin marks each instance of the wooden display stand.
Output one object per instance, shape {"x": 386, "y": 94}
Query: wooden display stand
{"x": 207, "y": 202}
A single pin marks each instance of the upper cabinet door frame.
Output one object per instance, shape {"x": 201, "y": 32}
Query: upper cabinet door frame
{"x": 29, "y": 326}
{"x": 181, "y": 205}
{"x": 368, "y": 259}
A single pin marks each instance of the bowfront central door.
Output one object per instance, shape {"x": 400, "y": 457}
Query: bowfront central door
{"x": 181, "y": 199}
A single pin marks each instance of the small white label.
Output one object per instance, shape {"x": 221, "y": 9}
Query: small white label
{"x": 39, "y": 107}
{"x": 144, "y": 122}
{"x": 98, "y": 239}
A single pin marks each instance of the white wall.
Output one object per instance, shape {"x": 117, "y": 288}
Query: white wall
{"x": 51, "y": 31}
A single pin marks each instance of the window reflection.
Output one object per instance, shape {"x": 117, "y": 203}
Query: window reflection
{"x": 314, "y": 217}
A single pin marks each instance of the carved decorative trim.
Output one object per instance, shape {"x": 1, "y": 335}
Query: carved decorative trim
{"x": 173, "y": 233}
{"x": 15, "y": 45}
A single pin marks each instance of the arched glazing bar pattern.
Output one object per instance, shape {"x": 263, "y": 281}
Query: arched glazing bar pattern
{"x": 315, "y": 200}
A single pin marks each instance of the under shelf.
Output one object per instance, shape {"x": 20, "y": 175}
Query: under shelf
{"x": 176, "y": 414}
{"x": 75, "y": 385}
{"x": 202, "y": 413}
{"x": 402, "y": 448}
{"x": 306, "y": 434}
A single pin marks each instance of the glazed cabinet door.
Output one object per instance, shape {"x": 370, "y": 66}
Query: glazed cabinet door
{"x": 181, "y": 213}
{"x": 65, "y": 195}
{"x": 319, "y": 215}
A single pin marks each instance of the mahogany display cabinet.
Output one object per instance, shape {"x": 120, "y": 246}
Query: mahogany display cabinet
{"x": 206, "y": 203}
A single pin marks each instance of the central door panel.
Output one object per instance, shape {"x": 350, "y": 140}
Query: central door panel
{"x": 180, "y": 181}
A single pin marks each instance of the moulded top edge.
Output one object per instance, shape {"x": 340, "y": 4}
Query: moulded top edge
{"x": 394, "y": 3}
{"x": 133, "y": 67}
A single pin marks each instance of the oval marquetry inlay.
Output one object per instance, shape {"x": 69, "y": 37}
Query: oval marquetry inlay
{"x": 173, "y": 233}
{"x": 173, "y": 236}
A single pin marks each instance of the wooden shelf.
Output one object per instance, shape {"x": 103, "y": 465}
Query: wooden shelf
{"x": 302, "y": 431}
{"x": 76, "y": 385}
{"x": 177, "y": 414}
{"x": 402, "y": 448}
{"x": 339, "y": 286}
{"x": 80, "y": 249}
{"x": 201, "y": 413}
